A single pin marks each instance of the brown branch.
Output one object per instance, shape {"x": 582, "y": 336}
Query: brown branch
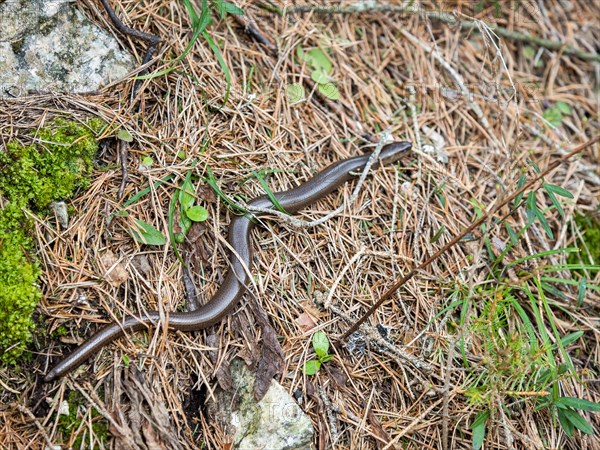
{"x": 153, "y": 42}
{"x": 468, "y": 230}
{"x": 451, "y": 19}
{"x": 252, "y": 29}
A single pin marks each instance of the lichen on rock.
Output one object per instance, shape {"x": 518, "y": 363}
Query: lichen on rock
{"x": 53, "y": 167}
{"x": 48, "y": 45}
{"x": 276, "y": 421}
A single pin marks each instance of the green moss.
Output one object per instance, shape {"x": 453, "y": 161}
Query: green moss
{"x": 590, "y": 253}
{"x": 32, "y": 176}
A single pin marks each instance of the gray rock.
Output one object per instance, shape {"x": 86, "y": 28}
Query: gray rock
{"x": 49, "y": 46}
{"x": 274, "y": 423}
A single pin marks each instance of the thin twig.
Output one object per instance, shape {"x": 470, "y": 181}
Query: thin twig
{"x": 299, "y": 223}
{"x": 467, "y": 24}
{"x": 123, "y": 153}
{"x": 468, "y": 230}
{"x": 153, "y": 42}
{"x": 252, "y": 29}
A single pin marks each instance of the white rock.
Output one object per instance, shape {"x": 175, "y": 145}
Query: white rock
{"x": 48, "y": 45}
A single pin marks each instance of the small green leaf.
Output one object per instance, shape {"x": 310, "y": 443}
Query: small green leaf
{"x": 300, "y": 54}
{"x": 146, "y": 162}
{"x": 186, "y": 193}
{"x": 570, "y": 338}
{"x": 319, "y": 60}
{"x": 326, "y": 358}
{"x": 330, "y": 91}
{"x": 185, "y": 223}
{"x": 124, "y": 135}
{"x": 513, "y": 236}
{"x": 319, "y": 76}
{"x": 478, "y": 427}
{"x": 215, "y": 49}
{"x": 553, "y": 115}
{"x": 555, "y": 189}
{"x": 295, "y": 92}
{"x": 438, "y": 234}
{"x": 534, "y": 165}
{"x": 563, "y": 107}
{"x": 477, "y": 206}
{"x": 528, "y": 52}
{"x": 581, "y": 288}
{"x": 578, "y": 421}
{"x": 126, "y": 360}
{"x": 197, "y": 213}
{"x": 565, "y": 423}
{"x": 203, "y": 21}
{"x": 146, "y": 234}
{"x": 320, "y": 343}
{"x": 556, "y": 203}
{"x": 121, "y": 213}
{"x": 544, "y": 223}
{"x": 520, "y": 184}
{"x": 224, "y": 8}
{"x": 577, "y": 403}
{"x": 531, "y": 207}
{"x": 180, "y": 238}
{"x": 311, "y": 367}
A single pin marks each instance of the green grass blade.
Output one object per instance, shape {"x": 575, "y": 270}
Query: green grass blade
{"x": 215, "y": 48}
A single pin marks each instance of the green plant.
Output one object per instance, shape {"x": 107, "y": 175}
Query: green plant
{"x": 181, "y": 203}
{"x": 200, "y": 22}
{"x": 588, "y": 239}
{"x": 146, "y": 234}
{"x": 568, "y": 417}
{"x": 322, "y": 69}
{"x": 555, "y": 114}
{"x": 518, "y": 358}
{"x": 320, "y": 345}
{"x": 510, "y": 321}
{"x": 54, "y": 167}
{"x": 188, "y": 212}
{"x": 82, "y": 431}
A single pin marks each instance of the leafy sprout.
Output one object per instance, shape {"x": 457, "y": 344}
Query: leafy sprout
{"x": 320, "y": 344}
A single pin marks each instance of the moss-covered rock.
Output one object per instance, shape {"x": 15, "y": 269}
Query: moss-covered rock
{"x": 31, "y": 177}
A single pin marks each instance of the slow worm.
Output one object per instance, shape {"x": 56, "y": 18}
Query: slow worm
{"x": 237, "y": 279}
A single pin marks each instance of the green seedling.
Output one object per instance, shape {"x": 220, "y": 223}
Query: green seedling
{"x": 321, "y": 347}
{"x": 199, "y": 29}
{"x": 322, "y": 69}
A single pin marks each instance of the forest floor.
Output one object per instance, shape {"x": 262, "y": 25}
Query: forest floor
{"x": 494, "y": 343}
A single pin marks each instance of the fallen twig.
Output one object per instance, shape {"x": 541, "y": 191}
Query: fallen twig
{"x": 468, "y": 230}
{"x": 153, "y": 42}
{"x": 468, "y": 24}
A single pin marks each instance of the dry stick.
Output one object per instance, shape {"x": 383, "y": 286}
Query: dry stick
{"x": 517, "y": 36}
{"x": 469, "y": 229}
{"x": 299, "y": 223}
{"x": 153, "y": 42}
{"x": 251, "y": 28}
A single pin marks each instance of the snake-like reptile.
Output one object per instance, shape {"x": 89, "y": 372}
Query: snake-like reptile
{"x": 237, "y": 279}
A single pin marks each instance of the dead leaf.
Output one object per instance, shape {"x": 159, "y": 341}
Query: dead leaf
{"x": 114, "y": 271}
{"x": 141, "y": 263}
{"x": 271, "y": 362}
{"x": 305, "y": 322}
{"x": 272, "y": 358}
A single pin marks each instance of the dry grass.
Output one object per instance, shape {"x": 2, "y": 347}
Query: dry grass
{"x": 387, "y": 67}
